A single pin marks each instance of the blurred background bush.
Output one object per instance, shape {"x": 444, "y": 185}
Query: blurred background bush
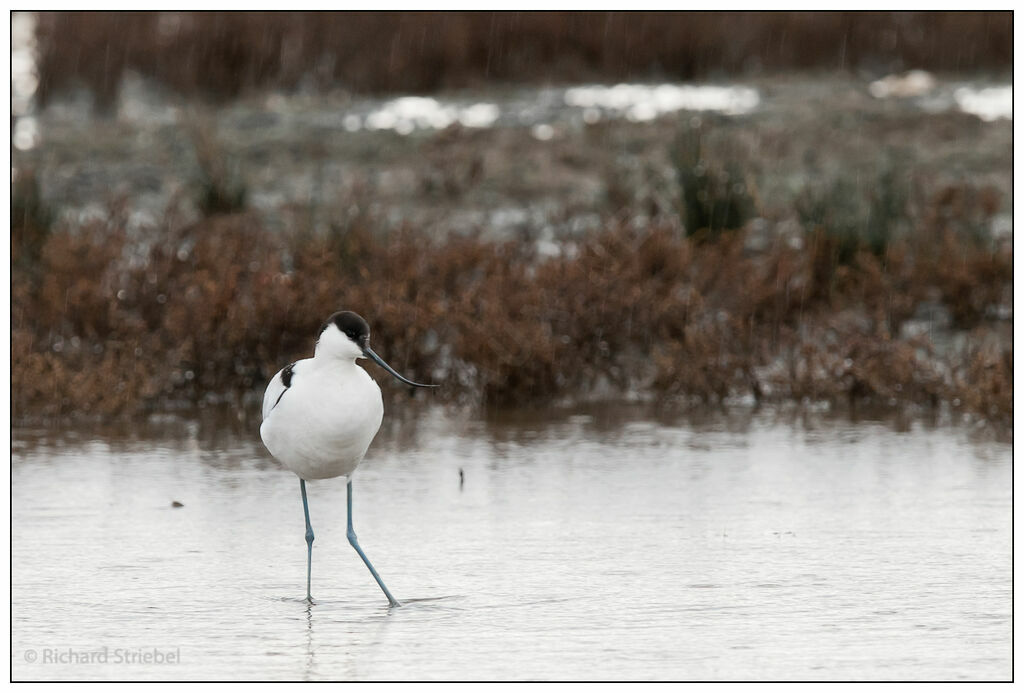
{"x": 192, "y": 193}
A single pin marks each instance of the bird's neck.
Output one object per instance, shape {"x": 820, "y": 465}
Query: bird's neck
{"x": 327, "y": 355}
{"x": 334, "y": 362}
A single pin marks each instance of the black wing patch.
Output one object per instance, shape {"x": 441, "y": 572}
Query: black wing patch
{"x": 286, "y": 378}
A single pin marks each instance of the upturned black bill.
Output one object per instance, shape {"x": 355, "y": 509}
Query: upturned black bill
{"x": 380, "y": 362}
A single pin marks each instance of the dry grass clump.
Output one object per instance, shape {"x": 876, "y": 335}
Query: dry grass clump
{"x": 31, "y": 219}
{"x": 985, "y": 385}
{"x": 715, "y": 194}
{"x": 222, "y": 54}
{"x": 213, "y": 310}
{"x": 218, "y": 184}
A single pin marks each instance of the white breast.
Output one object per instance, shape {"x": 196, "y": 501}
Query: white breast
{"x": 321, "y": 425}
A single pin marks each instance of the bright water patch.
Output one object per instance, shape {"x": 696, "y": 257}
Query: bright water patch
{"x": 408, "y": 113}
{"x": 640, "y": 102}
{"x": 913, "y": 83}
{"x": 26, "y": 133}
{"x": 24, "y": 80}
{"x": 636, "y": 102}
{"x": 989, "y": 103}
{"x": 591, "y": 546}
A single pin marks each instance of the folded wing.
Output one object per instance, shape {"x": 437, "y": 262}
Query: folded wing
{"x": 276, "y": 388}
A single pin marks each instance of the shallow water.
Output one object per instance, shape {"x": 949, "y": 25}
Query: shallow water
{"x": 594, "y": 545}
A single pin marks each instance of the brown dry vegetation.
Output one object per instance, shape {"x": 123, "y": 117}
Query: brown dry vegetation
{"x": 214, "y": 309}
{"x": 222, "y": 54}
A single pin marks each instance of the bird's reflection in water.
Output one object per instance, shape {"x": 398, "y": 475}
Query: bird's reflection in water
{"x": 310, "y": 650}
{"x": 357, "y": 650}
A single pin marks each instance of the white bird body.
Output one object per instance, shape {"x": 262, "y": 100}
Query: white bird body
{"x": 321, "y": 424}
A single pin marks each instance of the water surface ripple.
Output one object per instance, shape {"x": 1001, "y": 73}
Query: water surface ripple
{"x": 579, "y": 548}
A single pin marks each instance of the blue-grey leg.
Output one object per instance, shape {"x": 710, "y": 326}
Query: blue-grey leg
{"x": 355, "y": 544}
{"x": 309, "y": 539}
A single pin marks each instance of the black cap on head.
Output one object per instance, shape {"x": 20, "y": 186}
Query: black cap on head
{"x": 356, "y": 329}
{"x": 351, "y": 325}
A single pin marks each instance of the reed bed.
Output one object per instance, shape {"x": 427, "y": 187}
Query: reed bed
{"x": 209, "y": 311}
